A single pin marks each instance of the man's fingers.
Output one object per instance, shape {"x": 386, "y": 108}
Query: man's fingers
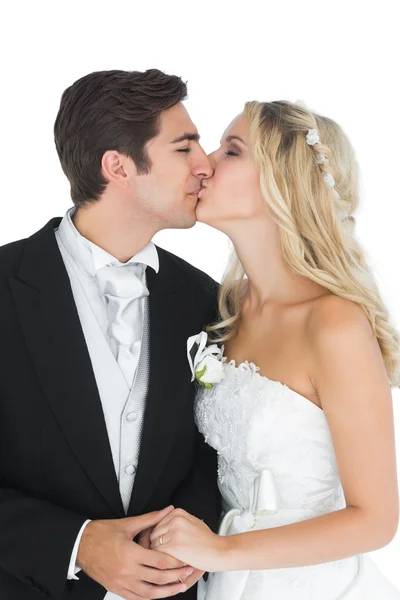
{"x": 137, "y": 524}
{"x": 130, "y": 595}
{"x": 148, "y": 591}
{"x": 143, "y": 539}
{"x": 194, "y": 578}
{"x": 157, "y": 577}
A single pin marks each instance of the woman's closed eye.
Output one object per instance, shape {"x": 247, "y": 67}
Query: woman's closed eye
{"x": 233, "y": 150}
{"x": 184, "y": 150}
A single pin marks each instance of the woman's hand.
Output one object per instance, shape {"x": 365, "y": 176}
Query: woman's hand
{"x": 143, "y": 540}
{"x": 190, "y": 540}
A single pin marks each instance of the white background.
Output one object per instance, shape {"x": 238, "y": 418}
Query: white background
{"x": 340, "y": 57}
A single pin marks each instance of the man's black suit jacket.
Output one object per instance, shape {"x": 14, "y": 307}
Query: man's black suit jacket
{"x": 56, "y": 467}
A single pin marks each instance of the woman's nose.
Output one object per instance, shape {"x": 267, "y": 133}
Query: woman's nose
{"x": 212, "y": 159}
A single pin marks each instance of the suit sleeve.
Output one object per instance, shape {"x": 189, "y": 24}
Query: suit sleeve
{"x": 36, "y": 541}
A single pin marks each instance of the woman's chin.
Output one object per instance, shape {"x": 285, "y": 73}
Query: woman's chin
{"x": 207, "y": 212}
{"x": 203, "y": 214}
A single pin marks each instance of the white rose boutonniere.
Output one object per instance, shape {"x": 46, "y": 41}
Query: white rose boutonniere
{"x": 205, "y": 361}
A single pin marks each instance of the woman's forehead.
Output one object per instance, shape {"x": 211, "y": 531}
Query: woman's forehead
{"x": 237, "y": 127}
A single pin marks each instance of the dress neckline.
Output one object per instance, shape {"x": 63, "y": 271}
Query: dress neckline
{"x": 253, "y": 369}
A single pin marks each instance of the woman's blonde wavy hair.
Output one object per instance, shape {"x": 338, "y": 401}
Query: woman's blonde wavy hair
{"x": 316, "y": 222}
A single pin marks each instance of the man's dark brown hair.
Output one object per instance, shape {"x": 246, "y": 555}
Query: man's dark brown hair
{"x": 110, "y": 110}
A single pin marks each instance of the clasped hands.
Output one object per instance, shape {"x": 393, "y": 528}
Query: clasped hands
{"x": 126, "y": 558}
{"x": 188, "y": 539}
{"x": 116, "y": 553}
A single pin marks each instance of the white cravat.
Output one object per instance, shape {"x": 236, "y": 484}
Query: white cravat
{"x": 89, "y": 260}
{"x": 122, "y": 287}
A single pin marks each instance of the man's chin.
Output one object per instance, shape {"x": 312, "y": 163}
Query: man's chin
{"x": 188, "y": 222}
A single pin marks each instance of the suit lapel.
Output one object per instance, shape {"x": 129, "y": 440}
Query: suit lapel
{"x": 54, "y": 338}
{"x": 170, "y": 386}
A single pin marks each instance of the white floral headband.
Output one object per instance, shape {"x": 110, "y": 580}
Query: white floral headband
{"x": 312, "y": 138}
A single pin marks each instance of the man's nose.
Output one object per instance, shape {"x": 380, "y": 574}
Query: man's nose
{"x": 204, "y": 167}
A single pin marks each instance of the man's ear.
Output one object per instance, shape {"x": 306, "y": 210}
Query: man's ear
{"x": 117, "y": 168}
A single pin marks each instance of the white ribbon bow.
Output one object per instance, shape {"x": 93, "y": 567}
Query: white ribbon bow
{"x": 264, "y": 501}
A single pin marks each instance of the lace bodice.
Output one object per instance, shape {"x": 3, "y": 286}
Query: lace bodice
{"x": 256, "y": 424}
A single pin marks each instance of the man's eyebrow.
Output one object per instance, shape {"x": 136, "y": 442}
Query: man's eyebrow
{"x": 190, "y": 137}
{"x": 234, "y": 137}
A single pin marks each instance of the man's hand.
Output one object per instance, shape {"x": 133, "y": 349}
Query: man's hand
{"x": 194, "y": 578}
{"x": 143, "y": 539}
{"x": 108, "y": 555}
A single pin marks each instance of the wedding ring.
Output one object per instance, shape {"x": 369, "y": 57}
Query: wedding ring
{"x": 161, "y": 540}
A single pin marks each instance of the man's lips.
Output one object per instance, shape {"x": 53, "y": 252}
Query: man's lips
{"x": 197, "y": 191}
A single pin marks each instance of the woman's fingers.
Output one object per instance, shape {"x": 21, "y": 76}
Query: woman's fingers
{"x": 156, "y": 544}
{"x": 157, "y": 531}
{"x": 177, "y": 518}
{"x": 172, "y": 515}
{"x": 155, "y": 537}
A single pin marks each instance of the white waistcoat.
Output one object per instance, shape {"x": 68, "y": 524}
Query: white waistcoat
{"x": 123, "y": 408}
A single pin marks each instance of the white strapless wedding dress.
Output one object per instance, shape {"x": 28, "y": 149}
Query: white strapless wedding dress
{"x": 277, "y": 466}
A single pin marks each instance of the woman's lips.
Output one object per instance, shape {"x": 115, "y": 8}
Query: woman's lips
{"x": 197, "y": 192}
